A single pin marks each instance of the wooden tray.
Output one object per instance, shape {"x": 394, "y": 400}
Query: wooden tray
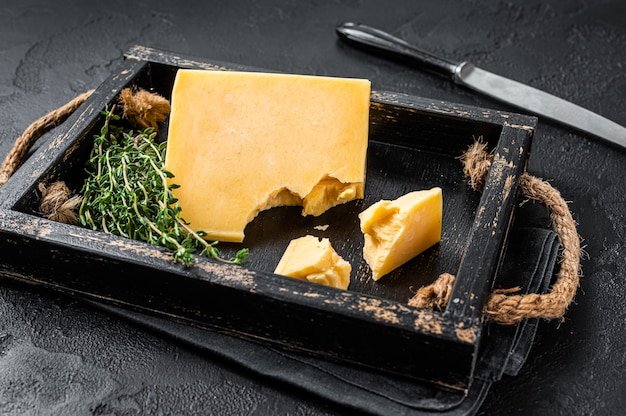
{"x": 415, "y": 144}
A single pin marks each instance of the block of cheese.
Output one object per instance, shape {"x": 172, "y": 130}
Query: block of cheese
{"x": 315, "y": 260}
{"x": 396, "y": 231}
{"x": 242, "y": 142}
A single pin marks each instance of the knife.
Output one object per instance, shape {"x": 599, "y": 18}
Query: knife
{"x": 504, "y": 89}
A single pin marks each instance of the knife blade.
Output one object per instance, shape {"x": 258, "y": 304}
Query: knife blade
{"x": 515, "y": 93}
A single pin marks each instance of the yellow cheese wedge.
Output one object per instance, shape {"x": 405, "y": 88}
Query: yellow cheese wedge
{"x": 396, "y": 231}
{"x": 242, "y": 142}
{"x": 315, "y": 260}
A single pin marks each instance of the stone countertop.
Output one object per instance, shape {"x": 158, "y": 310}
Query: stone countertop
{"x": 59, "y": 356}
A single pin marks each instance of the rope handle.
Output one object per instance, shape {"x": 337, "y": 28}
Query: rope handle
{"x": 501, "y": 306}
{"x": 17, "y": 154}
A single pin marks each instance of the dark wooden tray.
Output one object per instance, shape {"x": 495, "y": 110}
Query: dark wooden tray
{"x": 415, "y": 144}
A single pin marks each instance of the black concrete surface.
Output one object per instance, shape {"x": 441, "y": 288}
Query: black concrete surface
{"x": 58, "y": 356}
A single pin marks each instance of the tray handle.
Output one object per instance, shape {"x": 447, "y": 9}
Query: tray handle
{"x": 17, "y": 154}
{"x": 502, "y": 306}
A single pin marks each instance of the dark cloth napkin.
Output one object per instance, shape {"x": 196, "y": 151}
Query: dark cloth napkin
{"x": 528, "y": 262}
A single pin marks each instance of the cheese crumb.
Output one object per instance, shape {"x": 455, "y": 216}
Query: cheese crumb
{"x": 315, "y": 260}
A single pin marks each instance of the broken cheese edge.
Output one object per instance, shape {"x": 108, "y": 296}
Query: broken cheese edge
{"x": 315, "y": 260}
{"x": 399, "y": 230}
{"x": 243, "y": 142}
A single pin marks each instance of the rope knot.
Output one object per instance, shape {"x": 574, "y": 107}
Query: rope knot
{"x": 58, "y": 204}
{"x": 144, "y": 109}
{"x": 435, "y": 296}
{"x": 476, "y": 163}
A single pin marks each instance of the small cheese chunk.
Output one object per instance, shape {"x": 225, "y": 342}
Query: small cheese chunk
{"x": 315, "y": 260}
{"x": 396, "y": 231}
{"x": 242, "y": 142}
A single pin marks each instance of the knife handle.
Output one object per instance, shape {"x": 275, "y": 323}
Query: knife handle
{"x": 374, "y": 40}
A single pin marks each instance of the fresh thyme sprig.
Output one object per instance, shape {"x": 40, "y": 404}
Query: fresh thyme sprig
{"x": 126, "y": 193}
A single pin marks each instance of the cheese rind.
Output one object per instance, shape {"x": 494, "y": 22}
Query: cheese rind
{"x": 397, "y": 231}
{"x": 315, "y": 260}
{"x": 241, "y": 142}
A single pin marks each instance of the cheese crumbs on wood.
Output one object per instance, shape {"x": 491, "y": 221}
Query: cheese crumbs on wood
{"x": 242, "y": 142}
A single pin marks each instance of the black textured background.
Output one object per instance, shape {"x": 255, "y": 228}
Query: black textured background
{"x": 61, "y": 357}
